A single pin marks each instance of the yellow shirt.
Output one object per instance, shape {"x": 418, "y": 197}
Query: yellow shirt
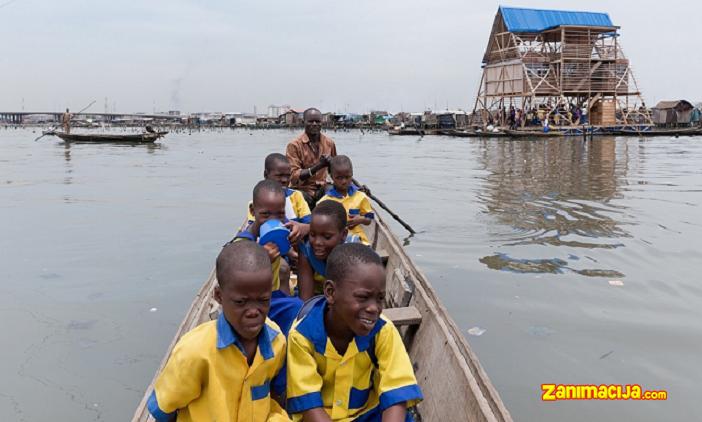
{"x": 207, "y": 377}
{"x": 356, "y": 201}
{"x": 374, "y": 374}
{"x": 296, "y": 208}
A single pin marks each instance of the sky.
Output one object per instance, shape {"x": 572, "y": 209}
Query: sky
{"x": 359, "y": 55}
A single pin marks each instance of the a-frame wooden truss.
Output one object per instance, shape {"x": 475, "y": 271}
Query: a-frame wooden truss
{"x": 557, "y": 69}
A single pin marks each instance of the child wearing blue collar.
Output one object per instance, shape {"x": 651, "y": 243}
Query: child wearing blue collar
{"x": 224, "y": 370}
{"x": 276, "y": 167}
{"x": 356, "y": 203}
{"x": 346, "y": 361}
{"x": 268, "y": 203}
{"x": 327, "y": 230}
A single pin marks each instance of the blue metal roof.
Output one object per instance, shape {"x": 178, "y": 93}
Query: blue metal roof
{"x": 535, "y": 20}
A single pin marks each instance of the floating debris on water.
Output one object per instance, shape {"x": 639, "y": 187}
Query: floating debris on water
{"x": 81, "y": 325}
{"x": 607, "y": 354}
{"x": 476, "y": 331}
{"x": 616, "y": 283}
{"x": 153, "y": 309}
{"x": 540, "y": 331}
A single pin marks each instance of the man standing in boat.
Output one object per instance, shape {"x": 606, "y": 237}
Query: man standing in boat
{"x": 66, "y": 121}
{"x": 309, "y": 156}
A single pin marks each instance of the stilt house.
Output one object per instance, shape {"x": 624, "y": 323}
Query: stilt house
{"x": 556, "y": 62}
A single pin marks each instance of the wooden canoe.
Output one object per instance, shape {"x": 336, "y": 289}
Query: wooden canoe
{"x": 533, "y": 133}
{"x": 475, "y": 134}
{"x": 454, "y": 384}
{"x": 136, "y": 138}
{"x": 687, "y": 131}
{"x": 406, "y": 131}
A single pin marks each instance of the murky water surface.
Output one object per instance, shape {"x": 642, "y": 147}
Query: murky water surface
{"x": 579, "y": 260}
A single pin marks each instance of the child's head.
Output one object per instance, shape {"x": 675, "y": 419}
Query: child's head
{"x": 268, "y": 202}
{"x": 277, "y": 167}
{"x": 327, "y": 228}
{"x": 341, "y": 171}
{"x": 244, "y": 283}
{"x": 355, "y": 286}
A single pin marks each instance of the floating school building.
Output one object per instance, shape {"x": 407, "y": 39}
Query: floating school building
{"x": 553, "y": 61}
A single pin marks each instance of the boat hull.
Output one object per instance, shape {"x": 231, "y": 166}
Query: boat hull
{"x": 136, "y": 138}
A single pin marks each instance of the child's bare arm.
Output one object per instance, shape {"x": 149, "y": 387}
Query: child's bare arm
{"x": 316, "y": 415}
{"x": 395, "y": 413}
{"x": 355, "y": 220}
{"x": 305, "y": 278}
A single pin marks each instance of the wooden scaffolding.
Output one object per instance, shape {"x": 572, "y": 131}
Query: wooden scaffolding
{"x": 555, "y": 63}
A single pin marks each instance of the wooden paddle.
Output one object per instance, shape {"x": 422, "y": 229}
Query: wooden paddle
{"x": 52, "y": 131}
{"x": 383, "y": 206}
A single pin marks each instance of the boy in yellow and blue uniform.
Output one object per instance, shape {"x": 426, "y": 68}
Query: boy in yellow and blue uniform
{"x": 356, "y": 203}
{"x": 276, "y": 167}
{"x": 223, "y": 370}
{"x": 268, "y": 204}
{"x": 347, "y": 362}
{"x": 327, "y": 231}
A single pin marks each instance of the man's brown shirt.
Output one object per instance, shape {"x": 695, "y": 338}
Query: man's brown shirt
{"x": 303, "y": 155}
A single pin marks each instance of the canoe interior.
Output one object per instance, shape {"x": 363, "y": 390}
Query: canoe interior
{"x": 455, "y": 386}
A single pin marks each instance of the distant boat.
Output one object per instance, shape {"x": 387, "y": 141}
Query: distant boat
{"x": 533, "y": 133}
{"x": 648, "y": 131}
{"x": 134, "y": 138}
{"x": 476, "y": 133}
{"x": 405, "y": 131}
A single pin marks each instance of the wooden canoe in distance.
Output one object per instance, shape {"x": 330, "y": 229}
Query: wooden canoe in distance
{"x": 475, "y": 133}
{"x": 533, "y": 133}
{"x": 136, "y": 138}
{"x": 454, "y": 384}
{"x": 687, "y": 131}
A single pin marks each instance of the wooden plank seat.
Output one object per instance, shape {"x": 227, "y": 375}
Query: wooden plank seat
{"x": 407, "y": 315}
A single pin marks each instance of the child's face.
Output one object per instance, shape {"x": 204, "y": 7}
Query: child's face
{"x": 280, "y": 172}
{"x": 268, "y": 206}
{"x": 341, "y": 176}
{"x": 245, "y": 298}
{"x": 325, "y": 235}
{"x": 358, "y": 299}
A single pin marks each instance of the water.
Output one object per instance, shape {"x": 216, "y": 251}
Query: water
{"x": 527, "y": 240}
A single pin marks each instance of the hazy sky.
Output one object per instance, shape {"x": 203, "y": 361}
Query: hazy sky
{"x": 218, "y": 55}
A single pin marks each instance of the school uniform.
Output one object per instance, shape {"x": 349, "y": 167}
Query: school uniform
{"x": 296, "y": 208}
{"x": 374, "y": 374}
{"x": 207, "y": 377}
{"x": 353, "y": 200}
{"x": 319, "y": 267}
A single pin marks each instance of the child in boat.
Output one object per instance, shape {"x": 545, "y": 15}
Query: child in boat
{"x": 346, "y": 361}
{"x": 354, "y": 201}
{"x": 269, "y": 203}
{"x": 276, "y": 167}
{"x": 327, "y": 230}
{"x": 222, "y": 370}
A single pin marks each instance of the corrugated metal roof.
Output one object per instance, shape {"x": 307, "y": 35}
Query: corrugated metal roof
{"x": 536, "y": 20}
{"x": 668, "y": 104}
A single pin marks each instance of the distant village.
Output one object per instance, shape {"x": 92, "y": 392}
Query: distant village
{"x": 276, "y": 117}
{"x": 676, "y": 113}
